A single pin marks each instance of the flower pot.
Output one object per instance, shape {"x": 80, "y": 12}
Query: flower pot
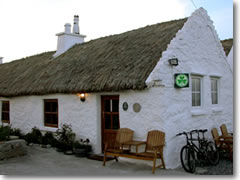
{"x": 80, "y": 152}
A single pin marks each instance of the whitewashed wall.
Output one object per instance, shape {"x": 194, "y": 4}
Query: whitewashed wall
{"x": 199, "y": 51}
{"x": 27, "y": 112}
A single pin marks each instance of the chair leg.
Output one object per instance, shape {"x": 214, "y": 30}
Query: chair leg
{"x": 116, "y": 158}
{"x": 104, "y": 159}
{"x": 154, "y": 165}
{"x": 163, "y": 163}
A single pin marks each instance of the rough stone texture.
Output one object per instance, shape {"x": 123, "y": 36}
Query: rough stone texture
{"x": 12, "y": 148}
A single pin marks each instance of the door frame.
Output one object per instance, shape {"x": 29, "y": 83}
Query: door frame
{"x": 102, "y": 98}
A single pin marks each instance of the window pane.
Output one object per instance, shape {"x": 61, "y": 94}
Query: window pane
{"x": 198, "y": 99}
{"x": 193, "y": 99}
{"x": 5, "y": 106}
{"x": 196, "y": 91}
{"x": 107, "y": 121}
{"x": 214, "y": 98}
{"x": 5, "y": 116}
{"x": 213, "y": 84}
{"x": 47, "y": 106}
{"x": 115, "y": 121}
{"x": 214, "y": 91}
{"x": 193, "y": 84}
{"x": 54, "y": 107}
{"x": 107, "y": 105}
{"x": 115, "y": 105}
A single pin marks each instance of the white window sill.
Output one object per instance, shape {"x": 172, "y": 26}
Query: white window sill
{"x": 217, "y": 109}
{"x": 198, "y": 112}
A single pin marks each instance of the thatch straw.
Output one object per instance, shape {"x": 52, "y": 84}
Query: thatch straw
{"x": 112, "y": 63}
{"x": 227, "y": 45}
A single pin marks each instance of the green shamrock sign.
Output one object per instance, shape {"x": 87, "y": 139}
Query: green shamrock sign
{"x": 181, "y": 80}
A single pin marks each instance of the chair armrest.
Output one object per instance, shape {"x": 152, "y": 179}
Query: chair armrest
{"x": 225, "y": 138}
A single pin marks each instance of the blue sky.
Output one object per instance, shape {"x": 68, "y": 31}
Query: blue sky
{"x": 29, "y": 27}
{"x": 221, "y": 12}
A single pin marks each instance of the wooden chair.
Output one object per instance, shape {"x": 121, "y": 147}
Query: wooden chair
{"x": 224, "y": 131}
{"x": 154, "y": 148}
{"x": 224, "y": 143}
{"x": 116, "y": 146}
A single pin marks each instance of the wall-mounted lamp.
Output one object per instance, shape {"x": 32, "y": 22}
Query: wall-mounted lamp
{"x": 82, "y": 96}
{"x": 173, "y": 61}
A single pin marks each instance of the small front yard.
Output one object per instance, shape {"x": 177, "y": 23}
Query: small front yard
{"x": 47, "y": 162}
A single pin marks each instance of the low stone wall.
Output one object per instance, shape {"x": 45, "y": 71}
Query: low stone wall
{"x": 12, "y": 148}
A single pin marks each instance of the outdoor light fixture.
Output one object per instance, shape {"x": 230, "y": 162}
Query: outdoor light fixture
{"x": 82, "y": 96}
{"x": 173, "y": 61}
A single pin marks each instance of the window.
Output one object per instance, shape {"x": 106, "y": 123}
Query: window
{"x": 51, "y": 112}
{"x": 196, "y": 91}
{"x": 214, "y": 90}
{"x": 5, "y": 112}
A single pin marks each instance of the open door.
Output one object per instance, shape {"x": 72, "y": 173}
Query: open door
{"x": 110, "y": 118}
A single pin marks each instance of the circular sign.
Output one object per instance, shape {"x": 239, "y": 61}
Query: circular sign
{"x": 136, "y": 107}
{"x": 125, "y": 106}
{"x": 181, "y": 80}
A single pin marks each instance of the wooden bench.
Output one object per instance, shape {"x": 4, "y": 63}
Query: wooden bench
{"x": 122, "y": 146}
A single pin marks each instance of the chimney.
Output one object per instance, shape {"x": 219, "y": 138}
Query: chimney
{"x": 67, "y": 38}
{"x": 76, "y": 25}
{"x": 1, "y": 58}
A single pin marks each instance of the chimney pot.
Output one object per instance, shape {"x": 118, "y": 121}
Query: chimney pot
{"x": 1, "y": 58}
{"x": 67, "y": 28}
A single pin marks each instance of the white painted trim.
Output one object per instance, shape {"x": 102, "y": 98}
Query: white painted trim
{"x": 198, "y": 74}
{"x": 198, "y": 112}
{"x": 215, "y": 75}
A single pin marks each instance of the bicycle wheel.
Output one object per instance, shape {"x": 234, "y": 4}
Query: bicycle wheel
{"x": 212, "y": 153}
{"x": 187, "y": 159}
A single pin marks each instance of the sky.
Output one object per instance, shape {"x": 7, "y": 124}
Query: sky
{"x": 29, "y": 27}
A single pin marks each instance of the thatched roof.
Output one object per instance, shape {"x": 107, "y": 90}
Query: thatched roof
{"x": 227, "y": 45}
{"x": 112, "y": 63}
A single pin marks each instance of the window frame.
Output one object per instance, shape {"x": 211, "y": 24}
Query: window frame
{"x": 8, "y": 112}
{"x": 200, "y": 91}
{"x": 217, "y": 91}
{"x": 45, "y": 113}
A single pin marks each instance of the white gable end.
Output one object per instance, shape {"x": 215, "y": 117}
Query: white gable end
{"x": 200, "y": 53}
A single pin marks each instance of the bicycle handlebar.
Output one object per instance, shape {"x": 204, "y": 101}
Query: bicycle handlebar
{"x": 183, "y": 133}
{"x": 193, "y": 131}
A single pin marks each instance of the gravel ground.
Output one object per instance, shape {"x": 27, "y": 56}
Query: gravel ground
{"x": 225, "y": 167}
{"x": 48, "y": 162}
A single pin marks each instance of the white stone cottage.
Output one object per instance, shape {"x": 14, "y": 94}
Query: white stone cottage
{"x": 127, "y": 81}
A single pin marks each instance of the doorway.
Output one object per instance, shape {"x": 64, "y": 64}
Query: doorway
{"x": 110, "y": 118}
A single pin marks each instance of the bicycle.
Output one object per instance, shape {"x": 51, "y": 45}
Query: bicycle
{"x": 190, "y": 153}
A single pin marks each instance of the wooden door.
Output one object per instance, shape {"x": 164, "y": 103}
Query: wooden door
{"x": 110, "y": 118}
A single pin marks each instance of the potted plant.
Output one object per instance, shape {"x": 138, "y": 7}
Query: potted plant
{"x": 82, "y": 148}
{"x": 65, "y": 137}
{"x": 79, "y": 148}
{"x": 88, "y": 147}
